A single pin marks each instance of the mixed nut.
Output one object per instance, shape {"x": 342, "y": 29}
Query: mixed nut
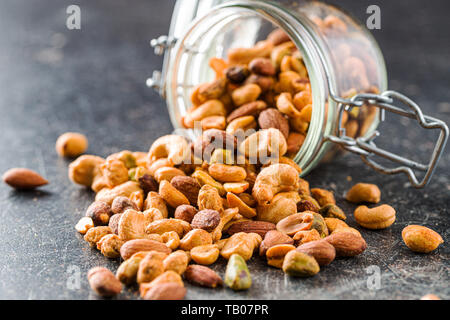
{"x": 172, "y": 212}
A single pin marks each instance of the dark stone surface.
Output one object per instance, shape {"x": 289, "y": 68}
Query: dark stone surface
{"x": 54, "y": 80}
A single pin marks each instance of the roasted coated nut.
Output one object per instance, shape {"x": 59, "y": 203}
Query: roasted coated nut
{"x": 171, "y": 239}
{"x": 321, "y": 250}
{"x": 212, "y": 90}
{"x": 167, "y": 173}
{"x": 295, "y": 141}
{"x": 242, "y": 244}
{"x": 245, "y": 94}
{"x": 110, "y": 245}
{"x": 202, "y": 276}
{"x": 188, "y": 186}
{"x": 375, "y": 218}
{"x": 208, "y": 109}
{"x": 172, "y": 147}
{"x": 205, "y": 179}
{"x": 147, "y": 183}
{"x": 84, "y": 169}
{"x": 296, "y": 222}
{"x": 93, "y": 235}
{"x": 195, "y": 238}
{"x": 71, "y": 144}
{"x": 274, "y": 179}
{"x": 127, "y": 271}
{"x": 166, "y": 291}
{"x": 272, "y": 238}
{"x": 323, "y": 197}
{"x": 241, "y": 125}
{"x": 185, "y": 212}
{"x": 103, "y": 282}
{"x": 334, "y": 223}
{"x": 264, "y": 145}
{"x": 262, "y": 66}
{"x": 176, "y": 261}
{"x": 272, "y": 118}
{"x": 332, "y": 211}
{"x": 364, "y": 192}
{"x": 131, "y": 247}
{"x": 206, "y": 254}
{"x": 84, "y": 224}
{"x": 235, "y": 202}
{"x": 209, "y": 198}
{"x": 132, "y": 225}
{"x": 237, "y": 276}
{"x": 171, "y": 195}
{"x": 155, "y": 201}
{"x": 347, "y": 244}
{"x": 226, "y": 173}
{"x": 236, "y": 187}
{"x": 151, "y": 266}
{"x": 121, "y": 204}
{"x": 206, "y": 219}
{"x": 162, "y": 226}
{"x": 114, "y": 172}
{"x": 305, "y": 236}
{"x": 421, "y": 239}
{"x": 237, "y": 74}
{"x": 299, "y": 264}
{"x": 124, "y": 189}
{"x": 277, "y": 209}
{"x": 275, "y": 254}
{"x": 239, "y": 56}
{"x": 286, "y": 106}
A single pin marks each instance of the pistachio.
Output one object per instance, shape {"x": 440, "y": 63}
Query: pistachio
{"x": 237, "y": 276}
{"x": 299, "y": 264}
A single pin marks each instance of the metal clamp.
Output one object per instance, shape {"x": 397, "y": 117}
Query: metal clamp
{"x": 161, "y": 44}
{"x": 366, "y": 148}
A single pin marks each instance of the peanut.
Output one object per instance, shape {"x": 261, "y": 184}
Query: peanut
{"x": 421, "y": 239}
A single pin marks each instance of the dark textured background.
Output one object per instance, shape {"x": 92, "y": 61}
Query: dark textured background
{"x": 54, "y": 80}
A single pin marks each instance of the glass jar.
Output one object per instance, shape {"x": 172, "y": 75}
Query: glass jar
{"x": 345, "y": 66}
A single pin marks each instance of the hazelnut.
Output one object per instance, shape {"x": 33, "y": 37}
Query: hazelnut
{"x": 148, "y": 183}
{"x": 120, "y": 204}
{"x": 99, "y": 212}
{"x": 185, "y": 212}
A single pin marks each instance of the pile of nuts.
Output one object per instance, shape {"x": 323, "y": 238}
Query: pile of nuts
{"x": 177, "y": 209}
{"x": 171, "y": 212}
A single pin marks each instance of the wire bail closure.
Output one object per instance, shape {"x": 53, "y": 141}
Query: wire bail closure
{"x": 366, "y": 147}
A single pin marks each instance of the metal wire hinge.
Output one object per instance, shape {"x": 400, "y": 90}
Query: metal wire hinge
{"x": 366, "y": 148}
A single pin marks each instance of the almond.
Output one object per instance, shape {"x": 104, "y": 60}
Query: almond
{"x": 131, "y": 247}
{"x": 272, "y": 118}
{"x": 321, "y": 250}
{"x": 22, "y": 178}
{"x": 103, "y": 282}
{"x": 202, "y": 276}
{"x": 166, "y": 291}
{"x": 347, "y": 244}
{"x": 272, "y": 238}
{"x": 249, "y": 226}
{"x": 248, "y": 109}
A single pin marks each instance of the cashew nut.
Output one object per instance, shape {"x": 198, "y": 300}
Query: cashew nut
{"x": 264, "y": 145}
{"x": 274, "y": 179}
{"x": 173, "y": 147}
